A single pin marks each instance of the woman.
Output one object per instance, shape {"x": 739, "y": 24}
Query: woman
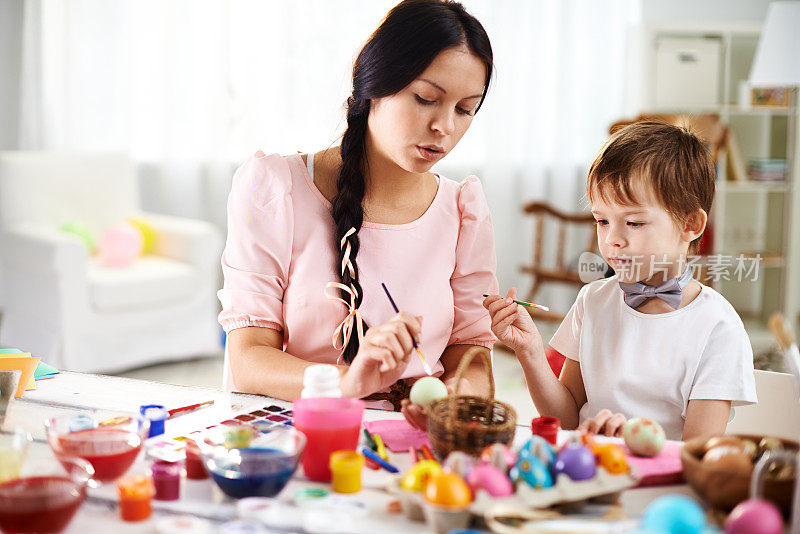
{"x": 311, "y": 237}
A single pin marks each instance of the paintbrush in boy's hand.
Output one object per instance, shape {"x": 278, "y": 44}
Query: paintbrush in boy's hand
{"x": 413, "y": 341}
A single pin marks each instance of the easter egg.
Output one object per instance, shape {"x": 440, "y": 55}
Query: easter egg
{"x": 426, "y": 390}
{"x": 575, "y": 461}
{"x": 643, "y": 437}
{"x": 490, "y": 479}
{"x": 447, "y": 489}
{"x": 745, "y": 445}
{"x": 729, "y": 458}
{"x": 754, "y": 516}
{"x": 611, "y": 458}
{"x": 459, "y": 462}
{"x": 530, "y": 470}
{"x": 416, "y": 477}
{"x": 499, "y": 455}
{"x": 540, "y": 448}
{"x": 674, "y": 514}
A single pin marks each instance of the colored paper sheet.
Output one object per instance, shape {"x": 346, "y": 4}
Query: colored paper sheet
{"x": 26, "y": 364}
{"x": 397, "y": 434}
{"x": 43, "y": 370}
{"x": 7, "y": 353}
{"x": 662, "y": 469}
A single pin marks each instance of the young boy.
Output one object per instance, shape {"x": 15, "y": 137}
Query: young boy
{"x": 649, "y": 341}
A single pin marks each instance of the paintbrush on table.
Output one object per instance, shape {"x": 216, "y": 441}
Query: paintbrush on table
{"x": 413, "y": 341}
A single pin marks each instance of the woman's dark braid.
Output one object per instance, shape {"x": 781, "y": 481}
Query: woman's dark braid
{"x": 348, "y": 211}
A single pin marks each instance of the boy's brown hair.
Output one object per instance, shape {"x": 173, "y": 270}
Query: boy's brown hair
{"x": 674, "y": 165}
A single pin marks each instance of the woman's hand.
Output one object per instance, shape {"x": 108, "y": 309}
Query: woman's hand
{"x": 414, "y": 414}
{"x": 605, "y": 422}
{"x": 512, "y": 326}
{"x": 382, "y": 356}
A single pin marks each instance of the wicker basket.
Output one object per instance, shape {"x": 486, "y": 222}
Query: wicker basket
{"x": 470, "y": 423}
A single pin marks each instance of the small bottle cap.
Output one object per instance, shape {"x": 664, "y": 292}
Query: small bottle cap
{"x": 157, "y": 414}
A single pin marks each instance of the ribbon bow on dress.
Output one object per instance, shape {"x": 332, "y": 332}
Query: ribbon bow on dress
{"x": 670, "y": 291}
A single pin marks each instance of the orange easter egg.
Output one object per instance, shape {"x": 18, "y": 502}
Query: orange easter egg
{"x": 448, "y": 489}
{"x": 612, "y": 458}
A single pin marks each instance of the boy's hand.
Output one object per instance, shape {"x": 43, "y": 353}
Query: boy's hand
{"x": 512, "y": 325}
{"x": 414, "y": 414}
{"x": 606, "y": 423}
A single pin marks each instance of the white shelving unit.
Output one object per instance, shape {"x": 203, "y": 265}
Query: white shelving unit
{"x": 748, "y": 216}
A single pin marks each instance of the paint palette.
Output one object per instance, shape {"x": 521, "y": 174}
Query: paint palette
{"x": 262, "y": 419}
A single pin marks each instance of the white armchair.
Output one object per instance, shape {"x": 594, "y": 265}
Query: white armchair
{"x": 64, "y": 305}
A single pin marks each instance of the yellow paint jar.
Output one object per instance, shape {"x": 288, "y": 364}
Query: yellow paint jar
{"x": 346, "y": 468}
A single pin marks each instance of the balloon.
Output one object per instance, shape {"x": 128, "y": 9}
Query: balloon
{"x": 81, "y": 231}
{"x": 148, "y": 233}
{"x": 120, "y": 245}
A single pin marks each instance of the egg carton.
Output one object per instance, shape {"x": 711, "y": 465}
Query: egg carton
{"x": 603, "y": 486}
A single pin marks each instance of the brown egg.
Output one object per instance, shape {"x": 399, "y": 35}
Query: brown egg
{"x": 728, "y": 458}
{"x": 744, "y": 445}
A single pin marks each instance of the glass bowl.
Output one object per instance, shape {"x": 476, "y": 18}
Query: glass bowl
{"x": 13, "y": 449}
{"x": 244, "y": 462}
{"x": 46, "y": 496}
{"x": 111, "y": 445}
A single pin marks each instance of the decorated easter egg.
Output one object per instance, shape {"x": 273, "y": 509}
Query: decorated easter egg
{"x": 754, "y": 516}
{"x": 120, "y": 245}
{"x": 769, "y": 444}
{"x": 540, "y": 448}
{"x": 575, "y": 461}
{"x": 643, "y": 437}
{"x": 674, "y": 514}
{"x": 612, "y": 458}
{"x": 729, "y": 458}
{"x": 745, "y": 445}
{"x": 447, "y": 489}
{"x": 530, "y": 470}
{"x": 416, "y": 477}
{"x": 490, "y": 479}
{"x": 499, "y": 455}
{"x": 459, "y": 462}
{"x": 426, "y": 390}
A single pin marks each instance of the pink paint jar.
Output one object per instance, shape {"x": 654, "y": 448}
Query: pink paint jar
{"x": 167, "y": 480}
{"x": 195, "y": 469}
{"x": 546, "y": 427}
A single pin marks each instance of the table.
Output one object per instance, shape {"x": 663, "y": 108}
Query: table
{"x": 69, "y": 393}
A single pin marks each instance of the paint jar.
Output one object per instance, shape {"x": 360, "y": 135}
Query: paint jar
{"x": 346, "y": 468}
{"x": 547, "y": 427}
{"x": 135, "y": 493}
{"x": 157, "y": 415}
{"x": 195, "y": 470}
{"x": 167, "y": 480}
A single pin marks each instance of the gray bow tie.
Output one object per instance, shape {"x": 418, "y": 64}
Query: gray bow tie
{"x": 670, "y": 291}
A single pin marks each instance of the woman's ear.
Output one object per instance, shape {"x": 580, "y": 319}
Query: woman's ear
{"x": 694, "y": 225}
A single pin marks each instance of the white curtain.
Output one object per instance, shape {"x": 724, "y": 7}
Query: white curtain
{"x": 190, "y": 88}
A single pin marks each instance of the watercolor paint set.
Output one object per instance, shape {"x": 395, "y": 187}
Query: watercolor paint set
{"x": 262, "y": 419}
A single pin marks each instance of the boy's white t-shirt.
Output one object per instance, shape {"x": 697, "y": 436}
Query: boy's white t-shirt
{"x": 652, "y": 365}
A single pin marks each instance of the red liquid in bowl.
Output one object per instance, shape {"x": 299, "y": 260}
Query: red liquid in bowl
{"x": 111, "y": 451}
{"x": 39, "y": 504}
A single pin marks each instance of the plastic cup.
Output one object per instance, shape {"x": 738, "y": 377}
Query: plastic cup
{"x": 546, "y": 427}
{"x": 346, "y": 468}
{"x": 330, "y": 425}
{"x": 9, "y": 380}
